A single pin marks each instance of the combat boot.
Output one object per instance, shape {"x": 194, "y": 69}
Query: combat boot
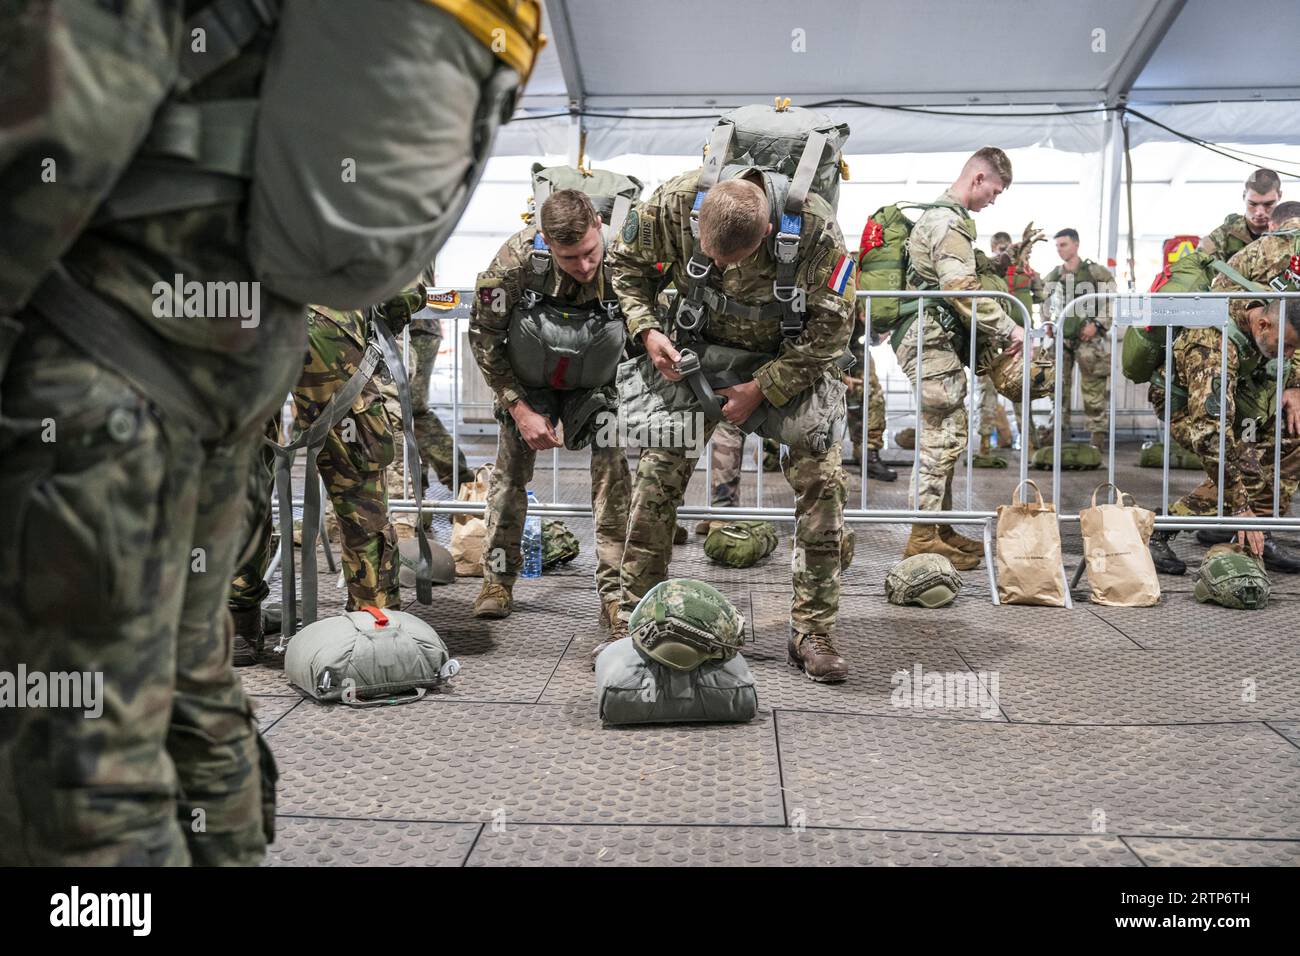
{"x": 816, "y": 656}
{"x": 617, "y": 631}
{"x": 609, "y": 613}
{"x": 1212, "y": 536}
{"x": 877, "y": 469}
{"x": 1162, "y": 555}
{"x": 1100, "y": 441}
{"x": 494, "y": 601}
{"x": 948, "y": 535}
{"x": 249, "y": 635}
{"x": 925, "y": 540}
{"x": 707, "y": 525}
{"x": 679, "y": 534}
{"x": 1278, "y": 557}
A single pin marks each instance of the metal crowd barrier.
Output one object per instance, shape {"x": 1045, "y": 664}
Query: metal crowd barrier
{"x": 1195, "y": 310}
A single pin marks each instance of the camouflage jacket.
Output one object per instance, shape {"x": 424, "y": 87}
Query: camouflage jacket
{"x": 1228, "y": 239}
{"x": 941, "y": 252}
{"x": 656, "y": 240}
{"x": 1088, "y": 277}
{"x": 336, "y": 342}
{"x": 1263, "y": 260}
{"x": 496, "y": 293}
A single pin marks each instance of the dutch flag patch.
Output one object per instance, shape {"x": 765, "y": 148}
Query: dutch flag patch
{"x": 840, "y": 275}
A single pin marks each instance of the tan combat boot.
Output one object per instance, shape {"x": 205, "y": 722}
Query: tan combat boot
{"x": 617, "y": 631}
{"x": 1100, "y": 441}
{"x": 816, "y": 656}
{"x": 925, "y": 540}
{"x": 494, "y": 601}
{"x": 609, "y": 613}
{"x": 950, "y": 536}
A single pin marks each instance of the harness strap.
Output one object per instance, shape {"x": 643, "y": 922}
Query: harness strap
{"x": 228, "y": 26}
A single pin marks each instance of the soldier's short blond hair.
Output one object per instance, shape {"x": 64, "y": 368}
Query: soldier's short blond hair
{"x": 567, "y": 216}
{"x": 994, "y": 161}
{"x": 733, "y": 218}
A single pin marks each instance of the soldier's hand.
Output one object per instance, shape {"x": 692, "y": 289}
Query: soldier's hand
{"x": 660, "y": 349}
{"x": 1017, "y": 342}
{"x": 536, "y": 430}
{"x": 742, "y": 400}
{"x": 1291, "y": 408}
{"x": 852, "y": 382}
{"x": 1252, "y": 541}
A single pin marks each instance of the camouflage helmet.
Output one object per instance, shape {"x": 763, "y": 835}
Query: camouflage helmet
{"x": 988, "y": 461}
{"x": 408, "y": 552}
{"x": 740, "y": 544}
{"x": 1006, "y": 372}
{"x": 1075, "y": 456}
{"x": 559, "y": 544}
{"x": 905, "y": 438}
{"x": 682, "y": 623}
{"x": 1232, "y": 578}
{"x": 923, "y": 580}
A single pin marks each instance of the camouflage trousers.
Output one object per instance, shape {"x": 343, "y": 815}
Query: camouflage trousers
{"x": 1256, "y": 472}
{"x": 820, "y": 488}
{"x": 1093, "y": 359}
{"x": 431, "y": 436}
{"x": 943, "y": 422}
{"x": 117, "y": 543}
{"x": 507, "y": 508}
{"x": 351, "y": 464}
{"x": 875, "y": 399}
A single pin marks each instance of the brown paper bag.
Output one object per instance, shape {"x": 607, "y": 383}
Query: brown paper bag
{"x": 1029, "y": 553}
{"x": 469, "y": 532}
{"x": 1120, "y": 570}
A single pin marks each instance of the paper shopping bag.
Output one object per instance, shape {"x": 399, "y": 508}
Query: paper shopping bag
{"x": 1120, "y": 570}
{"x": 1029, "y": 553}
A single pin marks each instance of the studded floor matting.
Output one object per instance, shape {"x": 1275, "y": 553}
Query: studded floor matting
{"x": 1154, "y": 736}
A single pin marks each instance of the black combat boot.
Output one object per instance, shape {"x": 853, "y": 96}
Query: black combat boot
{"x": 877, "y": 469}
{"x": 1162, "y": 554}
{"x": 1210, "y": 536}
{"x": 1278, "y": 557}
{"x": 249, "y": 636}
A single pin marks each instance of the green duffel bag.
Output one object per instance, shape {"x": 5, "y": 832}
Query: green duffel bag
{"x": 1075, "y": 456}
{"x": 988, "y": 461}
{"x": 559, "y": 544}
{"x": 368, "y": 658}
{"x": 741, "y": 544}
{"x": 632, "y": 689}
{"x": 1142, "y": 353}
{"x": 1153, "y": 456}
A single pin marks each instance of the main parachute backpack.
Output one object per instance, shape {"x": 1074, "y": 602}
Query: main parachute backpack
{"x": 882, "y": 262}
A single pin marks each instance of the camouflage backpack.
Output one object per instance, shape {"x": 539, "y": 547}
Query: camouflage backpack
{"x": 923, "y": 580}
{"x": 559, "y": 544}
{"x": 1075, "y": 456}
{"x": 682, "y": 623}
{"x": 1231, "y": 578}
{"x": 1006, "y": 371}
{"x": 1153, "y": 456}
{"x": 613, "y": 194}
{"x": 741, "y": 544}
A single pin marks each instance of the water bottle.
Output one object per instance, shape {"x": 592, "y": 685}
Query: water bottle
{"x": 532, "y": 544}
{"x": 997, "y": 441}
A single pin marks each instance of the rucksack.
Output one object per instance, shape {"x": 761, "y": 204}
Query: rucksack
{"x": 883, "y": 262}
{"x": 349, "y": 189}
{"x": 798, "y": 154}
{"x": 613, "y": 194}
{"x": 1173, "y": 250}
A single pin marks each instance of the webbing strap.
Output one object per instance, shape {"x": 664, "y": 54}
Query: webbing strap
{"x": 720, "y": 302}
{"x": 122, "y": 343}
{"x": 716, "y": 158}
{"x": 227, "y": 27}
{"x": 618, "y": 215}
{"x": 1237, "y": 277}
{"x": 397, "y": 368}
{"x": 809, "y": 160}
{"x": 213, "y": 135}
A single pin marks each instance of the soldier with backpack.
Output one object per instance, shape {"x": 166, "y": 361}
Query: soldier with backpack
{"x": 763, "y": 315}
{"x": 1263, "y": 191}
{"x": 151, "y": 321}
{"x": 939, "y": 252}
{"x": 547, "y": 333}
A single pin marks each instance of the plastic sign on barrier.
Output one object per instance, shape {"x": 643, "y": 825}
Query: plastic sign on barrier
{"x": 1148, "y": 311}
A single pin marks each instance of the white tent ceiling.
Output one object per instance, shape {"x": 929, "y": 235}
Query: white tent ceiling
{"x": 1223, "y": 72}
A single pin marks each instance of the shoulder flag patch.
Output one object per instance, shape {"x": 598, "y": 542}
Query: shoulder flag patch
{"x": 841, "y": 274}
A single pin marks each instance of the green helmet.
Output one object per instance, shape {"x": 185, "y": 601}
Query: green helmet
{"x": 988, "y": 461}
{"x": 682, "y": 623}
{"x": 559, "y": 544}
{"x": 1232, "y": 578}
{"x": 1007, "y": 374}
{"x": 1075, "y": 456}
{"x": 923, "y": 580}
{"x": 741, "y": 544}
{"x": 905, "y": 438}
{"x": 408, "y": 552}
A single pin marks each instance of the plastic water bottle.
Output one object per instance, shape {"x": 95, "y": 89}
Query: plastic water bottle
{"x": 532, "y": 544}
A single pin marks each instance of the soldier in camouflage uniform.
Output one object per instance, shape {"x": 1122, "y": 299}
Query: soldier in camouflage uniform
{"x": 577, "y": 275}
{"x": 942, "y": 253}
{"x": 351, "y": 463}
{"x": 875, "y": 401}
{"x": 1262, "y": 193}
{"x": 1088, "y": 345}
{"x": 743, "y": 268}
{"x": 1249, "y": 447}
{"x": 128, "y": 435}
{"x": 1013, "y": 262}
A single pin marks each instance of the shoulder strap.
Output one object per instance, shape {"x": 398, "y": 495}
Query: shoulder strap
{"x": 1227, "y": 270}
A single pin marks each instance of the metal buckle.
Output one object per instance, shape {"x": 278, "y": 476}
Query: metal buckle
{"x": 690, "y": 315}
{"x": 688, "y": 363}
{"x": 778, "y": 289}
{"x": 529, "y": 299}
{"x": 693, "y": 270}
{"x": 540, "y": 261}
{"x": 786, "y": 246}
